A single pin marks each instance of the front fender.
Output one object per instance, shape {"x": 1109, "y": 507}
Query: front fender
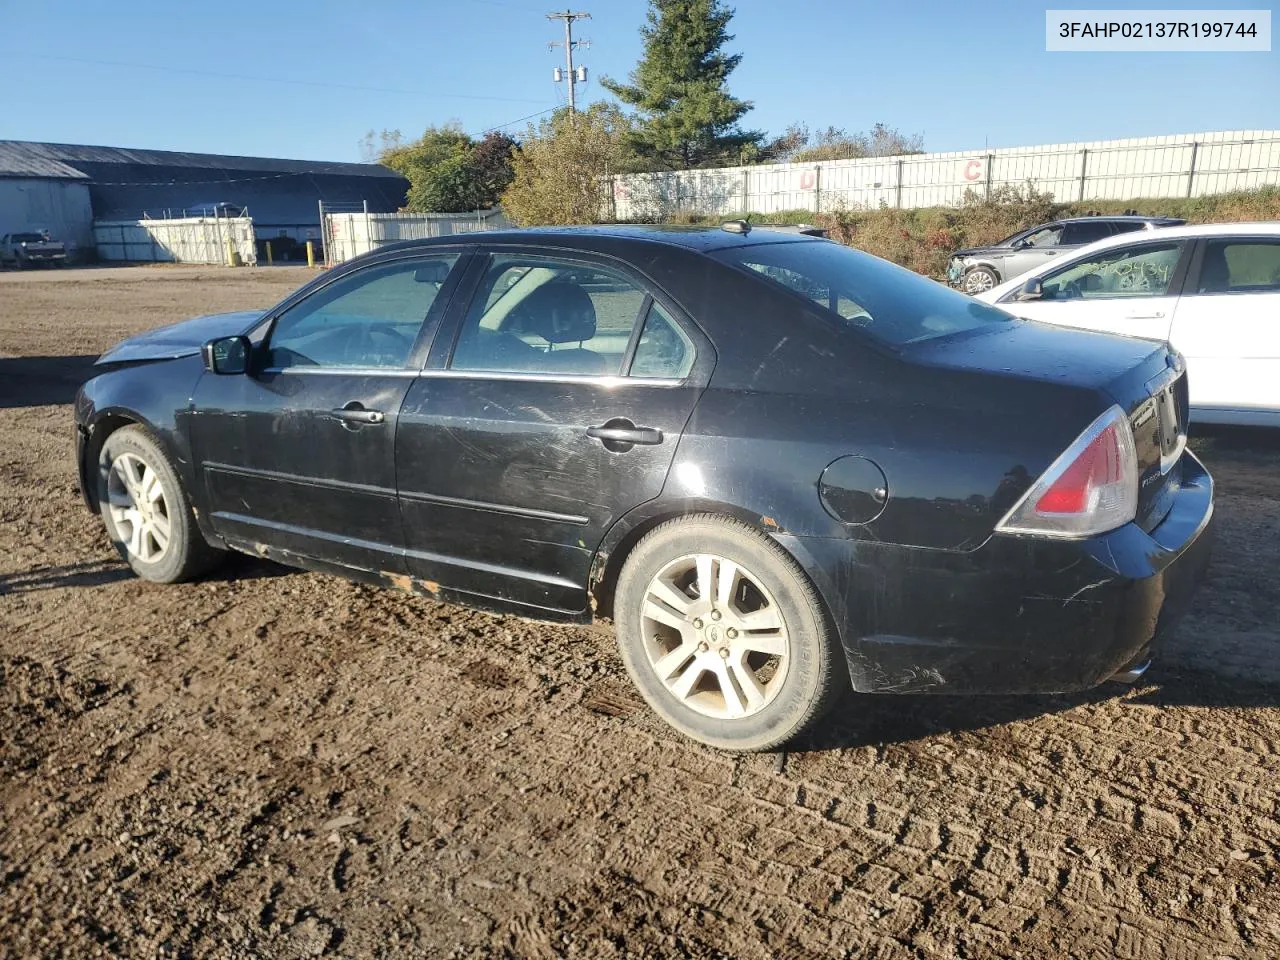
{"x": 159, "y": 399}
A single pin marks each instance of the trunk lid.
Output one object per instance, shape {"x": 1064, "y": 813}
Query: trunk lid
{"x": 1146, "y": 378}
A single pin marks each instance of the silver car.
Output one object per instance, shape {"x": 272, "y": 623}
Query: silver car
{"x": 981, "y": 268}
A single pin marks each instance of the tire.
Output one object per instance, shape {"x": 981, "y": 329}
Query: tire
{"x": 160, "y": 541}
{"x": 978, "y": 280}
{"x": 781, "y": 681}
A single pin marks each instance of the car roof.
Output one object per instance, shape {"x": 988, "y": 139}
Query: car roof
{"x": 1122, "y": 217}
{"x": 699, "y": 238}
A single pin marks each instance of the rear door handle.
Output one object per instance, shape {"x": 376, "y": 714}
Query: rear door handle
{"x": 357, "y": 415}
{"x": 1154, "y": 315}
{"x": 624, "y": 431}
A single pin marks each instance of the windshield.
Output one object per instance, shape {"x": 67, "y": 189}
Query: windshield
{"x": 889, "y": 302}
{"x": 27, "y": 238}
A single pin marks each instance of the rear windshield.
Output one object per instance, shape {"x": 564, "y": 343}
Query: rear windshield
{"x": 889, "y": 302}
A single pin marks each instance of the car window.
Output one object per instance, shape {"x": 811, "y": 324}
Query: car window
{"x": 1240, "y": 266}
{"x": 543, "y": 315}
{"x": 663, "y": 349}
{"x": 1128, "y": 226}
{"x": 370, "y": 318}
{"x": 1080, "y": 233}
{"x": 891, "y": 303}
{"x": 1049, "y": 236}
{"x": 1143, "y": 271}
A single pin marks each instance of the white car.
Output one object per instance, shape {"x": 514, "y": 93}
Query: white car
{"x": 1212, "y": 291}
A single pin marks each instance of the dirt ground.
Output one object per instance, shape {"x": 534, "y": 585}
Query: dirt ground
{"x": 279, "y": 764}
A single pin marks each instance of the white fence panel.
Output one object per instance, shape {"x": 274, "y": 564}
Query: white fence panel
{"x": 349, "y": 235}
{"x": 1170, "y": 166}
{"x": 186, "y": 240}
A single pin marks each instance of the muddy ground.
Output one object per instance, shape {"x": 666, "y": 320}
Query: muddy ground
{"x": 280, "y": 764}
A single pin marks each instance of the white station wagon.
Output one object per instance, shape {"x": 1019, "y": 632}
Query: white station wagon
{"x": 1212, "y": 291}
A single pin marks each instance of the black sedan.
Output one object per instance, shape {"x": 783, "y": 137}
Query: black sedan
{"x": 780, "y": 465}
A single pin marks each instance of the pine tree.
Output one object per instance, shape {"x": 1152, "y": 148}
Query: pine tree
{"x": 687, "y": 117}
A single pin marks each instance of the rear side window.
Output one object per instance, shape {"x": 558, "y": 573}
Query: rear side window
{"x": 1077, "y": 234}
{"x": 892, "y": 304}
{"x": 1240, "y": 266}
{"x": 548, "y": 316}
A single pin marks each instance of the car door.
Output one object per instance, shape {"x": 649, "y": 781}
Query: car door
{"x": 299, "y": 453}
{"x": 1031, "y": 252}
{"x": 1130, "y": 290}
{"x": 554, "y": 409}
{"x": 1227, "y": 325}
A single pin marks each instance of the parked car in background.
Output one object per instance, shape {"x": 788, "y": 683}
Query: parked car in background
{"x": 1211, "y": 290}
{"x": 779, "y": 464}
{"x": 31, "y": 250}
{"x": 981, "y": 268}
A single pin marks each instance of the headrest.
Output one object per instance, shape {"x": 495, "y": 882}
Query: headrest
{"x": 559, "y": 312}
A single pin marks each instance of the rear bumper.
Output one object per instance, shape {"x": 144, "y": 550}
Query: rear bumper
{"x": 1017, "y": 615}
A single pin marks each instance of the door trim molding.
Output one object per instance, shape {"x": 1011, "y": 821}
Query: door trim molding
{"x": 535, "y": 514}
{"x": 298, "y": 478}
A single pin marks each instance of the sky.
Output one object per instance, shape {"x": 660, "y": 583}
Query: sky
{"x": 307, "y": 79}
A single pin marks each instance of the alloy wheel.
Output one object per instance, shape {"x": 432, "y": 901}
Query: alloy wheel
{"x": 139, "y": 507}
{"x": 978, "y": 281}
{"x": 715, "y": 636}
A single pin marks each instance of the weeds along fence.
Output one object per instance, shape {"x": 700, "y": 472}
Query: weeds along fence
{"x": 224, "y": 240}
{"x": 348, "y": 234}
{"x": 1169, "y": 166}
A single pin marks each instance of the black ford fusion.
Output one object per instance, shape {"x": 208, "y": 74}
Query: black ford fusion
{"x": 780, "y": 465}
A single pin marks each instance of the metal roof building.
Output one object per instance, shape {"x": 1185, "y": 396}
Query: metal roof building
{"x": 282, "y": 196}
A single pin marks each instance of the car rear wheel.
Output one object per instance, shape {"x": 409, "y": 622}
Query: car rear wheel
{"x": 979, "y": 280}
{"x": 146, "y": 511}
{"x": 724, "y": 635}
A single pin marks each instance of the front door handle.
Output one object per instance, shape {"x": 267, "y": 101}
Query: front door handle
{"x": 1154, "y": 315}
{"x": 622, "y": 432}
{"x": 354, "y": 413}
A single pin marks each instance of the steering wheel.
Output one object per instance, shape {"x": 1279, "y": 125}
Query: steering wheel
{"x": 1072, "y": 290}
{"x": 364, "y": 340}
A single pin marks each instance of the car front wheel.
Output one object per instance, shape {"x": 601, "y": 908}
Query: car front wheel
{"x": 979, "y": 280}
{"x": 725, "y": 636}
{"x": 146, "y": 511}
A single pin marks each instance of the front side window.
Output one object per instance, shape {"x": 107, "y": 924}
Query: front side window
{"x": 892, "y": 304}
{"x": 367, "y": 319}
{"x": 1240, "y": 266}
{"x": 537, "y": 314}
{"x": 1049, "y": 236}
{"x": 1129, "y": 272}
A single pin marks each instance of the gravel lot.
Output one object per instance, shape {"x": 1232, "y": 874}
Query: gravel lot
{"x": 280, "y": 764}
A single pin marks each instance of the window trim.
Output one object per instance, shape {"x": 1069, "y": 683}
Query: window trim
{"x": 422, "y": 341}
{"x": 440, "y": 358}
{"x": 1176, "y": 279}
{"x": 1197, "y": 263}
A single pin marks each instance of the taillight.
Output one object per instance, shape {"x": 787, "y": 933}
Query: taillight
{"x": 1090, "y": 489}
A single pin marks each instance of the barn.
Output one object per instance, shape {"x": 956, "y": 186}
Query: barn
{"x": 64, "y": 187}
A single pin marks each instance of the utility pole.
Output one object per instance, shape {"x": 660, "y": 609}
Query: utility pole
{"x": 569, "y": 44}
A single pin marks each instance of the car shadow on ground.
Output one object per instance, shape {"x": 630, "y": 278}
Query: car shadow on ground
{"x": 100, "y": 573}
{"x": 876, "y": 720}
{"x": 42, "y": 381}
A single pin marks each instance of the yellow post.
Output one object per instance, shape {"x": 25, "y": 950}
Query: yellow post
{"x": 311, "y": 253}
{"x": 270, "y": 262}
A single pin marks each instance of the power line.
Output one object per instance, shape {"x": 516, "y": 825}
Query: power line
{"x": 511, "y": 123}
{"x": 300, "y": 83}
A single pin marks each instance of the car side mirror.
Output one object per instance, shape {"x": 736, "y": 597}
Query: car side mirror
{"x": 227, "y": 355}
{"x": 1031, "y": 290}
{"x": 1018, "y": 244}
